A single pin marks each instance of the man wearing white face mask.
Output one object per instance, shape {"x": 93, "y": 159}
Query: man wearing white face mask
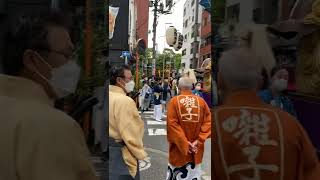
{"x": 40, "y": 142}
{"x": 274, "y": 94}
{"x": 126, "y": 128}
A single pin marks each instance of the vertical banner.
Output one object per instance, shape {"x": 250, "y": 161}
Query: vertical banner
{"x": 113, "y": 13}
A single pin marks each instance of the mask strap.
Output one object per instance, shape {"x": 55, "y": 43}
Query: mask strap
{"x": 36, "y": 70}
{"x": 123, "y": 86}
{"x": 42, "y": 59}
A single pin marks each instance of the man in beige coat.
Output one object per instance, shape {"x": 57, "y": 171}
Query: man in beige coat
{"x": 37, "y": 141}
{"x": 125, "y": 124}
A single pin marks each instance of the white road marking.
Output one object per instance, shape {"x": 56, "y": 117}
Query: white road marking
{"x": 157, "y": 132}
{"x": 146, "y": 112}
{"x": 149, "y": 117}
{"x": 156, "y": 122}
{"x": 144, "y": 164}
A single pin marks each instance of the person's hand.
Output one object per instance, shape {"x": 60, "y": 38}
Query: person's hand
{"x": 195, "y": 145}
{"x": 190, "y": 147}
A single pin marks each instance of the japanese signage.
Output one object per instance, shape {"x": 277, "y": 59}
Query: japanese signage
{"x": 249, "y": 129}
{"x": 113, "y": 12}
{"x": 189, "y": 108}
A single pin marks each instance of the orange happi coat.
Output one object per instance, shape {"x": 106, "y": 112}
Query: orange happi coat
{"x": 253, "y": 140}
{"x": 189, "y": 119}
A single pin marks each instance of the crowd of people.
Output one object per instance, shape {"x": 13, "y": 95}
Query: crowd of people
{"x": 256, "y": 127}
{"x": 157, "y": 93}
{"x": 255, "y": 132}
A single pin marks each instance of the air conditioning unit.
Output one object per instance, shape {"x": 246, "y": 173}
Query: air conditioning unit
{"x": 171, "y": 36}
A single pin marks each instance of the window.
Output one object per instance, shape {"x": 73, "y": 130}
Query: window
{"x": 183, "y": 65}
{"x": 192, "y": 18}
{"x": 257, "y": 15}
{"x": 190, "y": 65}
{"x": 184, "y": 52}
{"x": 192, "y": 35}
{"x": 191, "y": 50}
{"x": 192, "y": 3}
{"x": 185, "y": 38}
{"x": 186, "y": 23}
{"x": 184, "y": 12}
{"x": 233, "y": 12}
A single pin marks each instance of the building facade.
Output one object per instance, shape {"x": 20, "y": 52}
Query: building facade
{"x": 138, "y": 22}
{"x": 241, "y": 13}
{"x": 142, "y": 19}
{"x": 188, "y": 33}
{"x": 206, "y": 34}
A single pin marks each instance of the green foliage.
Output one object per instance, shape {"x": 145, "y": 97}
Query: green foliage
{"x": 146, "y": 59}
{"x": 167, "y": 56}
{"x": 177, "y": 61}
{"x": 161, "y": 59}
{"x": 98, "y": 73}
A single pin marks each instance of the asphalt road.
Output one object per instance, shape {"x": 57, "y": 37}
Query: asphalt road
{"x": 155, "y": 142}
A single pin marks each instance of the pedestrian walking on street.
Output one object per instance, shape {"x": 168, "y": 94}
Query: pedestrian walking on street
{"x": 38, "y": 141}
{"x": 255, "y": 140}
{"x": 166, "y": 95}
{"x": 145, "y": 95}
{"x": 157, "y": 90}
{"x": 174, "y": 89}
{"x": 188, "y": 126}
{"x": 126, "y": 128}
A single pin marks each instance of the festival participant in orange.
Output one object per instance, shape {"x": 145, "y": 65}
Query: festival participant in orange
{"x": 251, "y": 139}
{"x": 188, "y": 126}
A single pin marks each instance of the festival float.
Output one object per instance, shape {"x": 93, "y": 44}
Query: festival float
{"x": 298, "y": 45}
{"x": 207, "y": 79}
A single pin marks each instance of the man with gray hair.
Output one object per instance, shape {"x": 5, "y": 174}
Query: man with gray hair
{"x": 253, "y": 140}
{"x": 188, "y": 126}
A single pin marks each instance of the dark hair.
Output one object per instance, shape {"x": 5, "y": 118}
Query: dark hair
{"x": 265, "y": 77}
{"x": 275, "y": 69}
{"x": 117, "y": 71}
{"x": 27, "y": 32}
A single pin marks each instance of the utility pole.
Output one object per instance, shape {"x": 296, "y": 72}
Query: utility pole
{"x": 156, "y": 10}
{"x": 195, "y": 43}
{"x": 154, "y": 37}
